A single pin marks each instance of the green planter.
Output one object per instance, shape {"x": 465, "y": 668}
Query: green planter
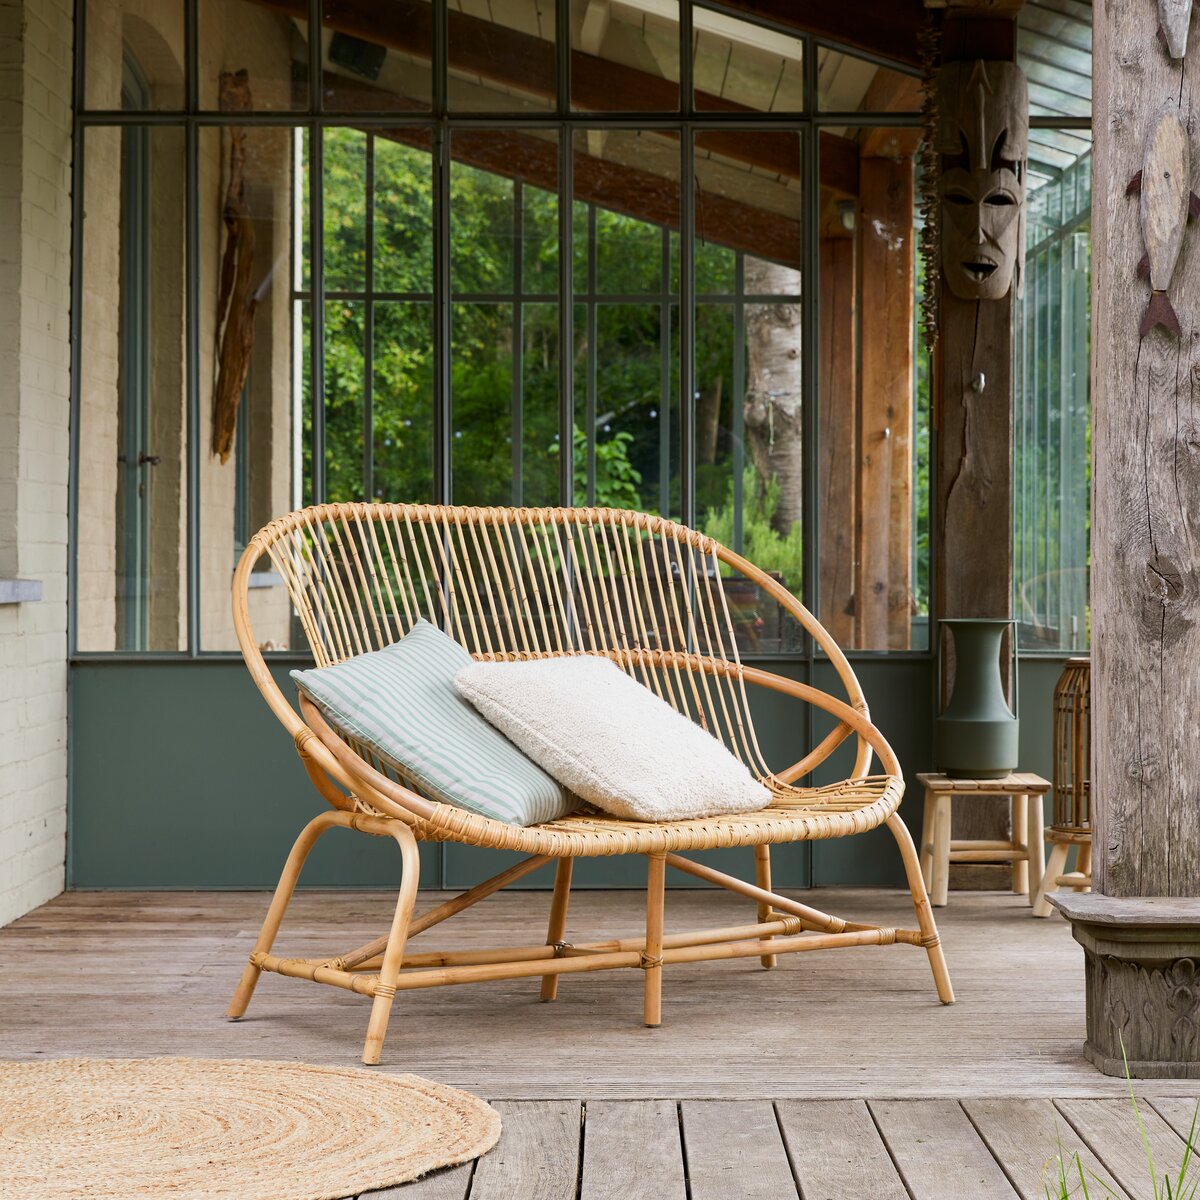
{"x": 977, "y": 733}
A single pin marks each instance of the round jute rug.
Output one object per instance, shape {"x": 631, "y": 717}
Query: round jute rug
{"x": 194, "y": 1129}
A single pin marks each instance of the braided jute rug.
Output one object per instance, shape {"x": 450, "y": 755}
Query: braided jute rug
{"x": 196, "y": 1129}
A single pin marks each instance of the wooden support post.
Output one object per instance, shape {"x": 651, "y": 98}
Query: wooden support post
{"x": 1139, "y": 930}
{"x": 884, "y": 585}
{"x": 973, "y": 417}
{"x": 837, "y": 433}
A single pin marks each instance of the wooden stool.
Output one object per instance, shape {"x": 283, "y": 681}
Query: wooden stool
{"x": 1079, "y": 880}
{"x": 1026, "y": 851}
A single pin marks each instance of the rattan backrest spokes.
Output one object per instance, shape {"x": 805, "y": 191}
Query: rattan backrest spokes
{"x": 523, "y": 583}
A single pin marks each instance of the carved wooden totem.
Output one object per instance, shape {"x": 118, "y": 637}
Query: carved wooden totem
{"x": 982, "y": 138}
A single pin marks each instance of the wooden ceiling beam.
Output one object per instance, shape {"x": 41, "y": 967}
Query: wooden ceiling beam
{"x": 632, "y": 191}
{"x": 888, "y": 28}
{"x": 516, "y": 154}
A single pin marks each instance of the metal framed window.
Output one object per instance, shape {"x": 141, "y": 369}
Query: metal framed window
{"x": 580, "y": 303}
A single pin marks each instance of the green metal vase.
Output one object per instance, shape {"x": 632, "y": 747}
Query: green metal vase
{"x": 977, "y": 732}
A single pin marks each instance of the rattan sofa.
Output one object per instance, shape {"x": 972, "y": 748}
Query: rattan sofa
{"x": 523, "y": 583}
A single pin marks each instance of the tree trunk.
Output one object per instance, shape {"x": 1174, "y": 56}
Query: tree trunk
{"x": 774, "y": 389}
{"x": 708, "y": 421}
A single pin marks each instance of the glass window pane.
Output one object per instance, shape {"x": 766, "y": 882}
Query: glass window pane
{"x": 481, "y": 215}
{"x": 344, "y": 199}
{"x": 132, "y": 551}
{"x": 632, "y": 179}
{"x": 846, "y": 83}
{"x": 268, "y": 43}
{"x": 481, "y": 392}
{"x": 872, "y": 438}
{"x": 748, "y": 368}
{"x": 540, "y": 445}
{"x": 402, "y": 402}
{"x": 539, "y": 241}
{"x": 403, "y": 212}
{"x": 502, "y": 56}
{"x": 134, "y": 55}
{"x": 634, "y": 406}
{"x": 626, "y": 326}
{"x": 1051, "y": 469}
{"x": 504, "y": 342}
{"x": 1054, "y": 49}
{"x": 376, "y": 57}
{"x": 625, "y": 56}
{"x": 738, "y": 65}
{"x": 345, "y": 380}
{"x": 248, "y": 361}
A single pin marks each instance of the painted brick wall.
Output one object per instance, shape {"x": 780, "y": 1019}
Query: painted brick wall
{"x": 35, "y": 248}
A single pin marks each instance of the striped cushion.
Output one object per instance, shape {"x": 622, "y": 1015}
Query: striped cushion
{"x": 401, "y": 702}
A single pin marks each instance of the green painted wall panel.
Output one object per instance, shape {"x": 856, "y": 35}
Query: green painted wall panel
{"x": 182, "y": 778}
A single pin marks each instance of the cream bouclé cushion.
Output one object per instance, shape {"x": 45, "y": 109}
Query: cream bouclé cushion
{"x": 610, "y": 740}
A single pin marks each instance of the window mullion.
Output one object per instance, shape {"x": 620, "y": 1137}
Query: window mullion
{"x": 441, "y": 316}
{"x": 316, "y": 316}
{"x": 516, "y": 319}
{"x": 566, "y": 314}
{"x": 368, "y": 414}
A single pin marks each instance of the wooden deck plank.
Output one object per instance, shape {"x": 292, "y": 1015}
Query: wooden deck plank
{"x": 938, "y": 1152}
{"x": 734, "y": 1148}
{"x": 1110, "y": 1130}
{"x": 449, "y": 1184}
{"x": 1179, "y": 1113}
{"x": 1026, "y": 1137}
{"x": 537, "y": 1157}
{"x": 632, "y": 1151}
{"x": 76, "y": 982}
{"x": 837, "y": 1152}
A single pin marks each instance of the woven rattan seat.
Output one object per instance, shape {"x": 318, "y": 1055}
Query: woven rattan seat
{"x": 513, "y": 584}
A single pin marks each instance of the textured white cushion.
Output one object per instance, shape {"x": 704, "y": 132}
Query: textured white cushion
{"x": 610, "y": 740}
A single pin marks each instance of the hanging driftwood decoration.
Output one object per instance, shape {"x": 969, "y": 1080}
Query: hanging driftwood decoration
{"x": 1174, "y": 18}
{"x": 928, "y": 199}
{"x": 983, "y": 139}
{"x": 236, "y": 300}
{"x": 1167, "y": 201}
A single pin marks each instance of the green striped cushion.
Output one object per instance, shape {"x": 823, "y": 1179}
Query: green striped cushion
{"x": 402, "y": 703}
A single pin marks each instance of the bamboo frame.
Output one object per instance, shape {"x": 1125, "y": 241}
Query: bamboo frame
{"x": 529, "y": 583}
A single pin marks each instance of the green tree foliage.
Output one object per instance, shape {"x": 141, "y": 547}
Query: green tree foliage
{"x": 761, "y": 543}
{"x": 617, "y": 479}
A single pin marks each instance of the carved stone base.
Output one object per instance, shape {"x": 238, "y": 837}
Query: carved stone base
{"x": 1142, "y": 958}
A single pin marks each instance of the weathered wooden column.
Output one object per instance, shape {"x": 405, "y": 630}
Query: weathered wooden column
{"x": 972, "y": 532}
{"x": 1140, "y": 928}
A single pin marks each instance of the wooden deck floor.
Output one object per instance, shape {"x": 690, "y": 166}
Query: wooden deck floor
{"x": 836, "y": 1076}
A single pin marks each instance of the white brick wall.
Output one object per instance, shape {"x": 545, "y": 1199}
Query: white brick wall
{"x": 35, "y": 246}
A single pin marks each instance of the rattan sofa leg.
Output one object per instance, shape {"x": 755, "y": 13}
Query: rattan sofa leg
{"x": 762, "y": 877}
{"x": 558, "y": 919}
{"x": 920, "y": 897}
{"x": 279, "y": 902}
{"x": 393, "y": 955}
{"x": 656, "y": 875}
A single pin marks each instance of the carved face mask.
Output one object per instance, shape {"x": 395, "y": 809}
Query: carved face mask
{"x": 983, "y": 136}
{"x": 981, "y": 231}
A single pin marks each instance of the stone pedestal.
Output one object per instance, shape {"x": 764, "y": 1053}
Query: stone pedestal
{"x": 1143, "y": 982}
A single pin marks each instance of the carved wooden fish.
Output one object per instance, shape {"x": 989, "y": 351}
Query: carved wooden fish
{"x": 1174, "y": 16}
{"x": 1166, "y": 203}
